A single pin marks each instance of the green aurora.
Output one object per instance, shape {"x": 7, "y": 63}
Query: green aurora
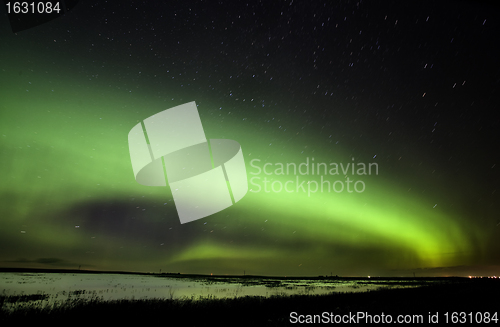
{"x": 61, "y": 153}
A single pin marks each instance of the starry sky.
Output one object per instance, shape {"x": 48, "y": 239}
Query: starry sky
{"x": 408, "y": 86}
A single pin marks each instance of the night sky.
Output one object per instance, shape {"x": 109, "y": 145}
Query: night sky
{"x": 411, "y": 86}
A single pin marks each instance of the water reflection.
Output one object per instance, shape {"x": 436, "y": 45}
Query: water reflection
{"x": 51, "y": 289}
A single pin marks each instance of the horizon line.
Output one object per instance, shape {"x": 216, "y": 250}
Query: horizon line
{"x": 74, "y": 270}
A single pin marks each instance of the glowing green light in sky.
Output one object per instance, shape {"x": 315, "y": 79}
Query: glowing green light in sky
{"x": 68, "y": 151}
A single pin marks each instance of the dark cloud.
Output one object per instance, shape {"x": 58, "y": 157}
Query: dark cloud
{"x": 44, "y": 261}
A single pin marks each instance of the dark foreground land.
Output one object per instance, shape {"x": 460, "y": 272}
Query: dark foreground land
{"x": 454, "y": 302}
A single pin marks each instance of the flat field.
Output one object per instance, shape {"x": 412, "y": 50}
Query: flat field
{"x": 67, "y": 297}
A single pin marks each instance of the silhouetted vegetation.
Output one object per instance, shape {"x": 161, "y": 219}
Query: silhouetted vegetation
{"x": 465, "y": 295}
